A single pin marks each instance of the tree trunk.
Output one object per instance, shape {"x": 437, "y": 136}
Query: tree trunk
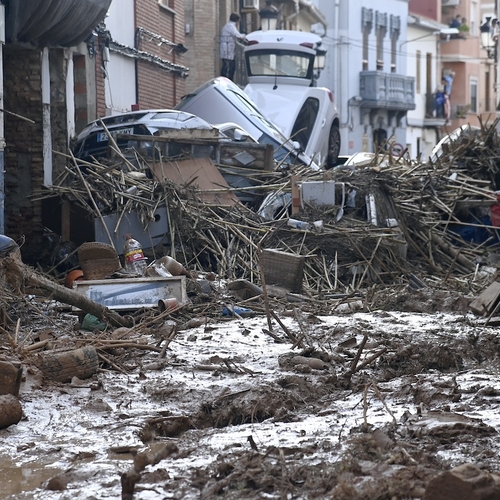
{"x": 65, "y": 295}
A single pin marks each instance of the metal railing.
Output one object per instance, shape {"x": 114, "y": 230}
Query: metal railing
{"x": 387, "y": 90}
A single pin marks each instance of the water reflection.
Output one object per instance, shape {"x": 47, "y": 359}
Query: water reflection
{"x": 16, "y": 480}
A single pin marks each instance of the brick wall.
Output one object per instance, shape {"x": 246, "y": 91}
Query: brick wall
{"x": 202, "y": 41}
{"x": 24, "y": 141}
{"x": 58, "y": 109}
{"x": 157, "y": 87}
{"x": 100, "y": 83}
{"x": 24, "y": 149}
{"x": 80, "y": 89}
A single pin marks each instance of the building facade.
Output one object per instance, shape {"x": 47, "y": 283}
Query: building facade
{"x": 38, "y": 47}
{"x": 204, "y": 20}
{"x": 141, "y": 56}
{"x": 367, "y": 72}
{"x": 422, "y": 51}
{"x": 401, "y": 46}
{"x": 64, "y": 66}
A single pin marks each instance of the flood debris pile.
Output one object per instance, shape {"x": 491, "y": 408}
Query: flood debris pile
{"x": 391, "y": 222}
{"x": 444, "y": 213}
{"x": 449, "y": 207}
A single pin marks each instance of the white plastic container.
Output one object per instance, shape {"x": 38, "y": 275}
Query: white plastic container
{"x": 298, "y": 224}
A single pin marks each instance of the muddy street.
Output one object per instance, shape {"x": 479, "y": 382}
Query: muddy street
{"x": 373, "y": 405}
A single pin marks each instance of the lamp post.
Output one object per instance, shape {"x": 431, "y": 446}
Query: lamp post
{"x": 444, "y": 31}
{"x": 489, "y": 38}
{"x": 319, "y": 62}
{"x": 268, "y": 16}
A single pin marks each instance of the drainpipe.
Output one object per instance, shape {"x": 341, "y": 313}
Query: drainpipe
{"x": 2, "y": 138}
{"x": 336, "y": 38}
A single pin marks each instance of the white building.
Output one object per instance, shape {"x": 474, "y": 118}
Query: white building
{"x": 367, "y": 71}
{"x": 421, "y": 51}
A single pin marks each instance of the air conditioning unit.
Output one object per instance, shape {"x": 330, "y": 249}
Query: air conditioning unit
{"x": 251, "y": 4}
{"x": 450, "y": 3}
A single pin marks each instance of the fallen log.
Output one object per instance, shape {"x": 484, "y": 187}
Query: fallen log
{"x": 62, "y": 367}
{"x": 464, "y": 482}
{"x": 130, "y": 478}
{"x": 450, "y": 250}
{"x": 10, "y": 378}
{"x": 63, "y": 294}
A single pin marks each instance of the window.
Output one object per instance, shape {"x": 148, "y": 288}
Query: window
{"x": 473, "y": 20}
{"x": 394, "y": 47}
{"x": 366, "y": 27}
{"x": 167, "y": 4}
{"x": 395, "y": 29}
{"x": 473, "y": 95}
{"x": 380, "y": 48}
{"x": 280, "y": 63}
{"x": 366, "y": 32}
{"x": 306, "y": 119}
{"x": 428, "y": 74}
{"x": 487, "y": 91}
{"x": 381, "y": 22}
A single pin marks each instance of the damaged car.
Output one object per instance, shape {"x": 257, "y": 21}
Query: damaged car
{"x": 220, "y": 100}
{"x": 281, "y": 82}
{"x": 220, "y": 142}
{"x": 94, "y": 141}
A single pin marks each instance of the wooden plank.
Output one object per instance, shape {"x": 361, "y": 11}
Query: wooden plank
{"x": 294, "y": 181}
{"x": 200, "y": 173}
{"x": 484, "y": 303}
{"x": 65, "y": 220}
{"x": 263, "y": 154}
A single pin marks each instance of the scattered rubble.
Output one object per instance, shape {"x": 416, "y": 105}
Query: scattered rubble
{"x": 400, "y": 236}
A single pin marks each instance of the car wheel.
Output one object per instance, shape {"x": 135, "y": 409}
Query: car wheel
{"x": 333, "y": 146}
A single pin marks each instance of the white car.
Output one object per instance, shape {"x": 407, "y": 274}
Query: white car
{"x": 280, "y": 69}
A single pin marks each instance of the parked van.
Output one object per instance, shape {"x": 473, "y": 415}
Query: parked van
{"x": 281, "y": 75}
{"x": 220, "y": 100}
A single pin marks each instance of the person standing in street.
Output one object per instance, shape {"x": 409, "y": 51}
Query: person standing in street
{"x": 228, "y": 36}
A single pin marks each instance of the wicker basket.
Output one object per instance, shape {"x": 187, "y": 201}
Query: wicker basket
{"x": 283, "y": 269}
{"x": 98, "y": 260}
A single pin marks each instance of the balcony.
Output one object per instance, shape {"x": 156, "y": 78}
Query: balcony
{"x": 387, "y": 91}
{"x": 44, "y": 23}
{"x": 463, "y": 48}
{"x": 432, "y": 116}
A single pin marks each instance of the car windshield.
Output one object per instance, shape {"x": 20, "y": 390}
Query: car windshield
{"x": 283, "y": 147}
{"x": 257, "y": 116}
{"x": 279, "y": 63}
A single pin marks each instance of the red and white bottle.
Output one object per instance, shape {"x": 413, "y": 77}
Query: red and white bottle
{"x": 134, "y": 256}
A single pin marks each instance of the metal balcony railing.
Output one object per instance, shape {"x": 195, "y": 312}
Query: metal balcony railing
{"x": 387, "y": 90}
{"x": 430, "y": 106}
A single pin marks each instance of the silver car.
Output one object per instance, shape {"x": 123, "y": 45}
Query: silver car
{"x": 220, "y": 100}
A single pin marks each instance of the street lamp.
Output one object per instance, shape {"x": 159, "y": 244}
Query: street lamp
{"x": 320, "y": 60}
{"x": 444, "y": 31}
{"x": 268, "y": 16}
{"x": 489, "y": 38}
